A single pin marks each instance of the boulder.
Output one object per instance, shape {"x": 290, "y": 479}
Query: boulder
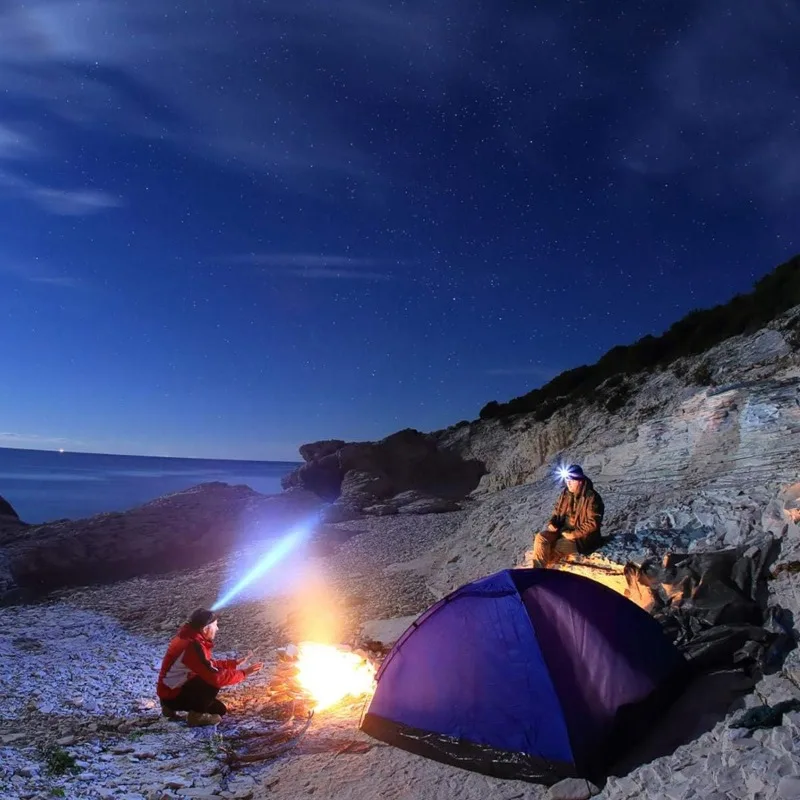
{"x": 406, "y": 460}
{"x": 178, "y": 531}
{"x": 317, "y": 450}
{"x": 339, "y": 512}
{"x": 414, "y": 502}
{"x": 322, "y": 477}
{"x": 380, "y": 510}
{"x": 572, "y": 789}
{"x": 360, "y": 489}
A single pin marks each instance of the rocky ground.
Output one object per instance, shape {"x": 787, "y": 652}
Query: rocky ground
{"x": 79, "y": 719}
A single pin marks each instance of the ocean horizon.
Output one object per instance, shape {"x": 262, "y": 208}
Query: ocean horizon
{"x": 45, "y": 485}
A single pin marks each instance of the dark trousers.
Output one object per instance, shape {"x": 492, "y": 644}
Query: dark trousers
{"x": 197, "y": 695}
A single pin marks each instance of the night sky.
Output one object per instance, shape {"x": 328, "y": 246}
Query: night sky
{"x": 230, "y": 227}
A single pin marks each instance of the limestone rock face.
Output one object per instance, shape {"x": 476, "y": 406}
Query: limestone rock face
{"x": 671, "y": 433}
{"x": 177, "y": 531}
{"x": 361, "y": 489}
{"x": 361, "y": 474}
{"x": 680, "y": 466}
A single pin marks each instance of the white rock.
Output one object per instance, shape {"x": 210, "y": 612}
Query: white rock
{"x": 176, "y": 782}
{"x": 572, "y": 789}
{"x": 789, "y": 787}
{"x": 28, "y": 771}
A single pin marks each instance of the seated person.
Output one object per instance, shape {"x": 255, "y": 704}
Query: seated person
{"x": 574, "y": 527}
{"x": 190, "y": 678}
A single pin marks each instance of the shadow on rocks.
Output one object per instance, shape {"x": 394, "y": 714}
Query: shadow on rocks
{"x": 706, "y": 701}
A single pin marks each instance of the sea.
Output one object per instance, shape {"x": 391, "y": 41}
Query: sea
{"x": 45, "y": 485}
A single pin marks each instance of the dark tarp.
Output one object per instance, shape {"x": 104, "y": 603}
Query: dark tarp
{"x": 713, "y": 606}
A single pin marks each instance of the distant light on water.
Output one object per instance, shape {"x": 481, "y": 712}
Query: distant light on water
{"x": 282, "y": 548}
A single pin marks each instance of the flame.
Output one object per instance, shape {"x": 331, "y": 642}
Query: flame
{"x": 330, "y": 674}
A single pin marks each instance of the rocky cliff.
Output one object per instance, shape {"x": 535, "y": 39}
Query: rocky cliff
{"x": 406, "y": 473}
{"x": 679, "y": 464}
{"x": 175, "y": 532}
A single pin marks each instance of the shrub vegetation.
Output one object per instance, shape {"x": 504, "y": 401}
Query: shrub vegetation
{"x": 698, "y": 331}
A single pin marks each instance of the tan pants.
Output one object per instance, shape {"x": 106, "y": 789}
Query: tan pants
{"x": 549, "y": 548}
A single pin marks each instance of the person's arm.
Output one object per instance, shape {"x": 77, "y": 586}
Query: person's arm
{"x": 556, "y": 520}
{"x": 591, "y": 521}
{"x": 216, "y": 673}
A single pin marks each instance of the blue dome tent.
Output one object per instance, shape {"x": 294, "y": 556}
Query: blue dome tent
{"x": 531, "y": 674}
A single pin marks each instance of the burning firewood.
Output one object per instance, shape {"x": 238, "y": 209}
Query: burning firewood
{"x": 309, "y": 677}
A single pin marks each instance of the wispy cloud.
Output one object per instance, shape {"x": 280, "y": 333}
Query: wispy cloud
{"x": 75, "y": 202}
{"x": 15, "y": 143}
{"x": 725, "y": 114}
{"x": 17, "y": 146}
{"x": 272, "y": 92}
{"x": 34, "y": 440}
{"x": 319, "y": 266}
{"x": 300, "y": 93}
{"x": 62, "y": 202}
{"x": 302, "y": 260}
{"x": 34, "y": 272}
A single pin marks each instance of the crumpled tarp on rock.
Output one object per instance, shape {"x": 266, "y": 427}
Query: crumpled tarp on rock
{"x": 711, "y": 605}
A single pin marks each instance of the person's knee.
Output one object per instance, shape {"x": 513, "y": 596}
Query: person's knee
{"x": 542, "y": 551}
{"x": 540, "y": 542}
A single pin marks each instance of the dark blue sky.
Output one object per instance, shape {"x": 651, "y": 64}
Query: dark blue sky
{"x": 229, "y": 227}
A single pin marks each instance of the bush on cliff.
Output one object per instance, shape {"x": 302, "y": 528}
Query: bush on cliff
{"x": 697, "y": 332}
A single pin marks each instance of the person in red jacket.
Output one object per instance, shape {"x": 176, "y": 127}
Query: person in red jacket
{"x": 190, "y": 679}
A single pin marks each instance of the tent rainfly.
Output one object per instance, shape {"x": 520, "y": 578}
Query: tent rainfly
{"x": 530, "y": 674}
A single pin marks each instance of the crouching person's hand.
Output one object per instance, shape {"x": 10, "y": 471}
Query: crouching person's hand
{"x": 252, "y": 668}
{"x": 244, "y": 660}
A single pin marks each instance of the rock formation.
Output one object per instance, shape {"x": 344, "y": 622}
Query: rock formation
{"x": 406, "y": 470}
{"x": 178, "y": 531}
{"x": 680, "y": 466}
{"x": 7, "y": 510}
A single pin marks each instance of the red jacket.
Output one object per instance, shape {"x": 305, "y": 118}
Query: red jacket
{"x": 189, "y": 655}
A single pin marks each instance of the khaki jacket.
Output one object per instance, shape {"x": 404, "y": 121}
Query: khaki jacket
{"x": 580, "y": 514}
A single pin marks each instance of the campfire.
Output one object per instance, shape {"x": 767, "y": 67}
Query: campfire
{"x": 308, "y": 678}
{"x": 320, "y": 676}
{"x": 330, "y": 674}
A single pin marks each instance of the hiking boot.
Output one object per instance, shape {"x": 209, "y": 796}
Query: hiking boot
{"x": 196, "y": 719}
{"x": 168, "y": 712}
